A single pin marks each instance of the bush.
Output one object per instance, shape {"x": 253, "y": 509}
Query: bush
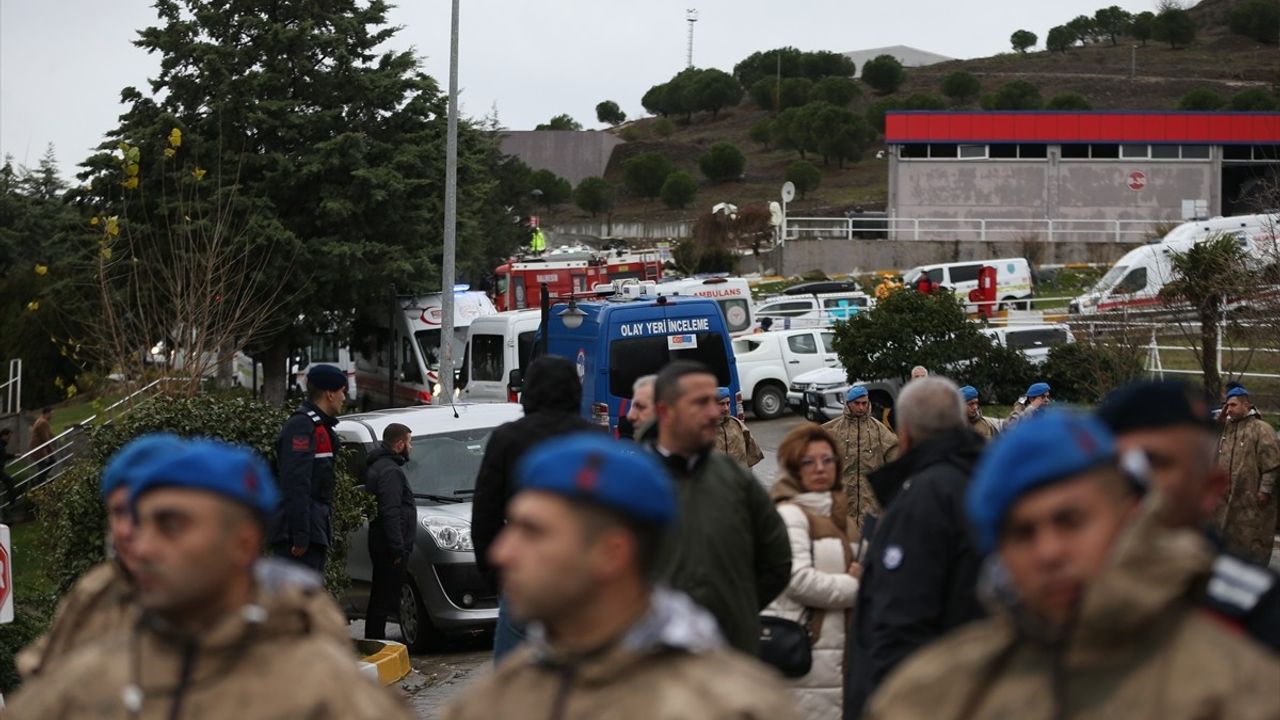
{"x": 763, "y": 92}
{"x": 609, "y": 113}
{"x": 713, "y": 90}
{"x": 1257, "y": 19}
{"x": 1001, "y": 374}
{"x": 594, "y": 195}
{"x": 1014, "y": 95}
{"x": 645, "y": 173}
{"x": 722, "y": 162}
{"x": 75, "y": 519}
{"x": 923, "y": 101}
{"x": 961, "y": 87}
{"x": 31, "y": 618}
{"x": 838, "y": 91}
{"x": 805, "y": 176}
{"x": 663, "y": 127}
{"x": 1143, "y": 26}
{"x": 794, "y": 92}
{"x": 1060, "y": 39}
{"x": 1022, "y": 40}
{"x": 560, "y": 122}
{"x": 1068, "y": 101}
{"x": 884, "y": 74}
{"x": 762, "y": 133}
{"x": 1084, "y": 373}
{"x": 1202, "y": 99}
{"x": 678, "y": 190}
{"x": 631, "y": 133}
{"x": 1254, "y": 100}
{"x": 553, "y": 188}
{"x": 1174, "y": 26}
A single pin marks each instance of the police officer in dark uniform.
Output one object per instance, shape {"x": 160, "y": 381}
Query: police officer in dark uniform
{"x": 306, "y": 451}
{"x": 1170, "y": 423}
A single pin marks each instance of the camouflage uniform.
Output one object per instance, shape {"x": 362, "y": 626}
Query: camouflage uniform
{"x": 865, "y": 444}
{"x": 985, "y": 428}
{"x": 1248, "y": 450}
{"x": 99, "y": 603}
{"x": 735, "y": 440}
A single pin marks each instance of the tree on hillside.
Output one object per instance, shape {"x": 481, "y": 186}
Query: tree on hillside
{"x": 722, "y": 162}
{"x": 1068, "y": 101}
{"x": 655, "y": 100}
{"x": 609, "y": 113}
{"x": 1022, "y": 40}
{"x": 1060, "y": 39}
{"x": 551, "y": 189}
{"x": 1201, "y": 99}
{"x": 713, "y": 90}
{"x": 826, "y": 64}
{"x": 1143, "y": 26}
{"x": 764, "y": 93}
{"x": 1084, "y": 29}
{"x": 1257, "y": 19}
{"x": 761, "y": 133}
{"x": 674, "y": 97}
{"x": 961, "y": 87}
{"x": 838, "y": 91}
{"x": 1014, "y": 95}
{"x": 1174, "y": 26}
{"x": 644, "y": 174}
{"x": 765, "y": 64}
{"x": 839, "y": 134}
{"x": 1112, "y": 22}
{"x": 884, "y": 74}
{"x": 1254, "y": 99}
{"x": 805, "y": 176}
{"x": 678, "y": 190}
{"x": 795, "y": 92}
{"x": 791, "y": 130}
{"x": 916, "y": 101}
{"x": 562, "y": 121}
{"x": 594, "y": 195}
{"x": 333, "y": 144}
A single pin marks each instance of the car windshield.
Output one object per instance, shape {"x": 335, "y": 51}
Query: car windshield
{"x": 429, "y": 343}
{"x": 1111, "y": 278}
{"x": 446, "y": 463}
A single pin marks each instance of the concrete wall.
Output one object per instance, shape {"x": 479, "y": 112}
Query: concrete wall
{"x": 571, "y": 155}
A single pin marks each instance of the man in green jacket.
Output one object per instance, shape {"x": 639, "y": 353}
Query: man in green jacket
{"x": 728, "y": 549}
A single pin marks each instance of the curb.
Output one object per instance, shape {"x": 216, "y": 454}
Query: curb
{"x": 383, "y": 660}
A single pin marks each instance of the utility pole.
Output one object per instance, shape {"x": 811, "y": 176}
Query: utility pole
{"x": 777, "y": 88}
{"x": 445, "y": 397}
{"x": 1133, "y": 62}
{"x": 690, "y": 15}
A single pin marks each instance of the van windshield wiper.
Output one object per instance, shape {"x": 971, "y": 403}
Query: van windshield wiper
{"x": 466, "y": 491}
{"x": 438, "y": 498}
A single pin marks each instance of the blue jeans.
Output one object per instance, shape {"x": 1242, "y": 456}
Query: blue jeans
{"x": 508, "y": 635}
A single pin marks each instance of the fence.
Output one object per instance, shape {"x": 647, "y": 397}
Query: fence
{"x": 12, "y": 389}
{"x": 972, "y": 229}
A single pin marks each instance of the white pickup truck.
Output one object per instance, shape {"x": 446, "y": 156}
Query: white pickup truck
{"x": 767, "y": 362}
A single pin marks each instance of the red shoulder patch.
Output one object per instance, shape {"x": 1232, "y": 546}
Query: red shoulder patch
{"x": 324, "y": 443}
{"x": 301, "y": 443}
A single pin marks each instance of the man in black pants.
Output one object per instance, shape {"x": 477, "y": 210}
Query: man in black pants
{"x": 391, "y": 532}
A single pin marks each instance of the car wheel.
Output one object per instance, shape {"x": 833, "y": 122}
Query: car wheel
{"x": 768, "y": 402}
{"x": 415, "y": 624}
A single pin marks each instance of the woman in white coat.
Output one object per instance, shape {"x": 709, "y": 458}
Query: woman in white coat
{"x": 824, "y": 576}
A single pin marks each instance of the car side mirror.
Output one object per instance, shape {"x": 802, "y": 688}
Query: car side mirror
{"x": 515, "y": 380}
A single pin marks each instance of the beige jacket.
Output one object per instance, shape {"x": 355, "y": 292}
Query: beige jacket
{"x": 1140, "y": 649}
{"x": 1247, "y": 449}
{"x": 99, "y": 603}
{"x": 277, "y": 658}
{"x": 672, "y": 665}
{"x": 985, "y": 427}
{"x": 735, "y": 440}
{"x": 865, "y": 444}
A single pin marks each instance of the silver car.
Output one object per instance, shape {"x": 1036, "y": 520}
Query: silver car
{"x": 443, "y": 593}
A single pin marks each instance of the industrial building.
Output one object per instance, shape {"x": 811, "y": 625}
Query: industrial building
{"x": 1082, "y": 176}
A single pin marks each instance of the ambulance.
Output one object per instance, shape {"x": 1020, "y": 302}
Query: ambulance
{"x": 733, "y": 295}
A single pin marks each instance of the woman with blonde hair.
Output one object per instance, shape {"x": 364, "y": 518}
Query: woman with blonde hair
{"x": 824, "y": 574}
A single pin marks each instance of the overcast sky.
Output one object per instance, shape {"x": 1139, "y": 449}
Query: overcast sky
{"x": 63, "y": 62}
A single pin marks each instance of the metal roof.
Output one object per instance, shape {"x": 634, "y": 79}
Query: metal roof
{"x": 1201, "y": 128}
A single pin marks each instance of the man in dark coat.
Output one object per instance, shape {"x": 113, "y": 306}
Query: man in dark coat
{"x": 305, "y": 453}
{"x": 921, "y": 569}
{"x": 392, "y": 530}
{"x": 552, "y": 400}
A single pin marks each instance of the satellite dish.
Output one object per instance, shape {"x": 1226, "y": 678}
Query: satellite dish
{"x": 775, "y": 213}
{"x": 788, "y": 191}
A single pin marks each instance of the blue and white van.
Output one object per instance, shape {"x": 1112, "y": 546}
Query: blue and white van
{"x": 614, "y": 342}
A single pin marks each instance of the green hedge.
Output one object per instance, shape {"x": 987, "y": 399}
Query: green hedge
{"x": 73, "y": 513}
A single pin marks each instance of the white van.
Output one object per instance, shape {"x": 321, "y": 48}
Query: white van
{"x": 496, "y": 345}
{"x": 413, "y": 367}
{"x": 1013, "y": 280}
{"x": 1033, "y": 341}
{"x": 1135, "y": 281}
{"x": 733, "y": 295}
{"x": 811, "y": 311}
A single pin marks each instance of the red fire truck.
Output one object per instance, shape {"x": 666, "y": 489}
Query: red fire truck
{"x": 518, "y": 282}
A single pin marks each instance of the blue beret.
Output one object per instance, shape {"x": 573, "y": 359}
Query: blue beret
{"x": 1237, "y": 391}
{"x": 969, "y": 392}
{"x": 134, "y": 456}
{"x": 326, "y": 377}
{"x": 594, "y": 468}
{"x": 855, "y": 392}
{"x": 1047, "y": 447}
{"x": 1037, "y": 389}
{"x": 722, "y": 393}
{"x": 234, "y": 472}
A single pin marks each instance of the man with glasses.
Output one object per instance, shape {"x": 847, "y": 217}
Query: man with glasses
{"x": 306, "y": 450}
{"x": 732, "y": 436}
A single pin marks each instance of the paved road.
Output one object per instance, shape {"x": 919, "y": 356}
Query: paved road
{"x": 439, "y": 676}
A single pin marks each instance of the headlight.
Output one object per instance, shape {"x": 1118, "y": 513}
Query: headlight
{"x": 449, "y": 533}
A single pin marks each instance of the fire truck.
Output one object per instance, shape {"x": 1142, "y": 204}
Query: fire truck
{"x": 578, "y": 270}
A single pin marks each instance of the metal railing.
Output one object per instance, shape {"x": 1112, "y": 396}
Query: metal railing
{"x": 46, "y": 462}
{"x": 12, "y": 389}
{"x": 971, "y": 229}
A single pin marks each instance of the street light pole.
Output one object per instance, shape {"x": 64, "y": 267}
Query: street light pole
{"x": 445, "y": 397}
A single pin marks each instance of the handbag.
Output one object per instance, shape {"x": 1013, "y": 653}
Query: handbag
{"x": 785, "y": 644}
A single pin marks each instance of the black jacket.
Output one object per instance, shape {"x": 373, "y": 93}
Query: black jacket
{"x": 305, "y": 453}
{"x": 395, "y": 524}
{"x": 920, "y": 572}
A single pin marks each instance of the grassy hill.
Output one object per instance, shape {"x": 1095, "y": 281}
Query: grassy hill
{"x": 1217, "y": 60}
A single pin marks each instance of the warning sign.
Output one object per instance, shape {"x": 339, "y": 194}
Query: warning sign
{"x": 1137, "y": 180}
